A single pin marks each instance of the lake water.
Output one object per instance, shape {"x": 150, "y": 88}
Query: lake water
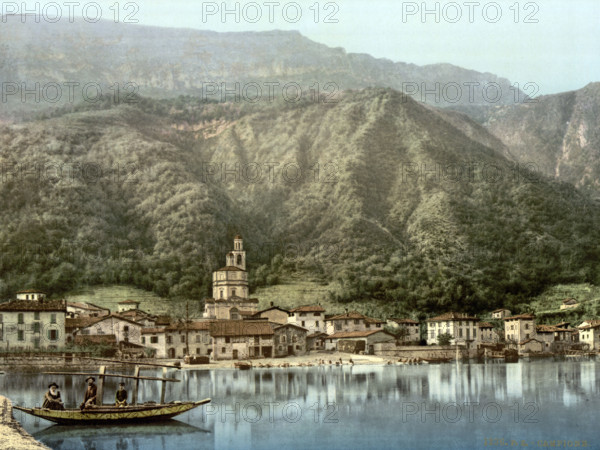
{"x": 430, "y": 406}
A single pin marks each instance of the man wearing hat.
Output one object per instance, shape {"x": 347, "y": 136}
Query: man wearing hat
{"x": 90, "y": 393}
{"x": 121, "y": 395}
{"x": 52, "y": 398}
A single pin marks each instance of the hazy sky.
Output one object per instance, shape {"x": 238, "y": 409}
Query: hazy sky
{"x": 553, "y": 43}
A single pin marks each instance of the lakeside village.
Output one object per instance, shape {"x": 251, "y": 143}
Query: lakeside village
{"x": 233, "y": 329}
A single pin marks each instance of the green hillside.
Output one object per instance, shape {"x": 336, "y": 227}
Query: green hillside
{"x": 394, "y": 207}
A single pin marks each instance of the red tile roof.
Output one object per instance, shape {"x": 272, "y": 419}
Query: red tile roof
{"x": 34, "y": 305}
{"x": 231, "y": 300}
{"x": 80, "y": 322}
{"x": 485, "y": 325}
{"x": 89, "y": 306}
{"x": 452, "y": 316}
{"x": 153, "y": 330}
{"x": 230, "y": 269}
{"x": 192, "y": 326}
{"x": 353, "y": 315}
{"x": 520, "y": 316}
{"x": 277, "y": 326}
{"x": 356, "y": 334}
{"x": 107, "y": 339}
{"x": 405, "y": 321}
{"x": 240, "y": 328}
{"x": 308, "y": 308}
{"x": 129, "y": 302}
{"x": 31, "y": 291}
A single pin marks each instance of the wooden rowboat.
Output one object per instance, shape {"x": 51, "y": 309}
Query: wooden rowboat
{"x": 110, "y": 415}
{"x": 243, "y": 365}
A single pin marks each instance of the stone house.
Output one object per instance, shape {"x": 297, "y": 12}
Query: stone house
{"x": 290, "y": 339}
{"x": 273, "y": 314}
{"x": 241, "y": 339}
{"x": 79, "y": 309}
{"x": 124, "y": 329}
{"x": 408, "y": 329}
{"x": 519, "y": 328}
{"x": 367, "y": 338}
{"x": 352, "y": 321}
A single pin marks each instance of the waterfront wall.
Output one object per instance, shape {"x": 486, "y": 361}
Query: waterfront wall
{"x": 13, "y": 435}
{"x": 391, "y": 350}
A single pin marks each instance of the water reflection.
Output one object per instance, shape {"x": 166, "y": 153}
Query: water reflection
{"x": 448, "y": 405}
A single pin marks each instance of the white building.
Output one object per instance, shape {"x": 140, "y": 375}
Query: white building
{"x": 230, "y": 288}
{"x": 501, "y": 313}
{"x": 127, "y": 305}
{"x": 31, "y": 294}
{"x": 461, "y": 327}
{"x": 311, "y": 317}
{"x": 36, "y": 323}
{"x": 589, "y": 333}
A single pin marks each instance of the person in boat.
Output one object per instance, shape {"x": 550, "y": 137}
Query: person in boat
{"x": 90, "y": 394}
{"x": 121, "y": 396}
{"x": 52, "y": 398}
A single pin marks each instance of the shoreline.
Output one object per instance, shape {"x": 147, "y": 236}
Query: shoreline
{"x": 14, "y": 436}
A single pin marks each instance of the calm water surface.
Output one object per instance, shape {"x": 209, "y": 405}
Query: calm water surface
{"x": 430, "y": 406}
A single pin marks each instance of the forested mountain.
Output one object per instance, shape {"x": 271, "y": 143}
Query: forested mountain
{"x": 375, "y": 191}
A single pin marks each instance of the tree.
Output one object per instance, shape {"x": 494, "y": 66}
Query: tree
{"x": 444, "y": 339}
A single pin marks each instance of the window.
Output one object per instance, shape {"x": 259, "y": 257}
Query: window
{"x": 20, "y": 319}
{"x": 169, "y": 339}
{"x": 474, "y": 333}
{"x": 126, "y": 328}
{"x": 338, "y": 326}
{"x": 367, "y": 325}
{"x": 302, "y": 314}
{"x": 221, "y": 293}
{"x": 36, "y": 343}
{"x": 36, "y": 315}
{"x": 53, "y": 335}
{"x": 222, "y": 349}
{"x": 227, "y": 340}
{"x": 154, "y": 339}
{"x": 20, "y": 335}
{"x": 143, "y": 339}
{"x": 52, "y": 318}
{"x": 317, "y": 324}
{"x": 1, "y": 331}
{"x": 198, "y": 339}
{"x": 355, "y": 321}
{"x": 527, "y": 326}
{"x": 197, "y": 350}
{"x": 527, "y": 336}
{"x": 36, "y": 327}
{"x": 283, "y": 339}
{"x": 182, "y": 337}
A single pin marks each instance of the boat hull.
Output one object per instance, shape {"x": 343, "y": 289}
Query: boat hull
{"x": 111, "y": 415}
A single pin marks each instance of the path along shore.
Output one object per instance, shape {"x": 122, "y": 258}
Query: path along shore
{"x": 12, "y": 434}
